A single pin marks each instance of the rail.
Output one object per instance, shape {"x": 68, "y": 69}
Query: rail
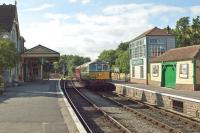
{"x": 119, "y": 125}
{"x": 87, "y": 128}
{"x": 143, "y": 116}
{"x": 180, "y": 117}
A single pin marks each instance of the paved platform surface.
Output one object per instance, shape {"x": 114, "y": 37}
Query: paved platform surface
{"x": 33, "y": 108}
{"x": 188, "y": 94}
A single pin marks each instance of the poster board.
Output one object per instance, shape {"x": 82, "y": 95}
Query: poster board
{"x": 155, "y": 70}
{"x": 184, "y": 71}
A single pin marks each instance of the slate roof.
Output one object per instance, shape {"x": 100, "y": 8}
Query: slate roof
{"x": 153, "y": 32}
{"x": 7, "y": 16}
{"x": 177, "y": 54}
{"x": 40, "y": 51}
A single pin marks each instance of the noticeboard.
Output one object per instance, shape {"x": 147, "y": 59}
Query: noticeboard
{"x": 137, "y": 62}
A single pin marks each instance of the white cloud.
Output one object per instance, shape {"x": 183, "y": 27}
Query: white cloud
{"x": 82, "y": 1}
{"x": 72, "y": 1}
{"x": 40, "y": 8}
{"x": 124, "y": 8}
{"x": 150, "y": 9}
{"x": 57, "y": 16}
{"x": 91, "y": 34}
{"x": 195, "y": 10}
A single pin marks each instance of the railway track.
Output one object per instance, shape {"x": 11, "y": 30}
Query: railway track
{"x": 93, "y": 118}
{"x": 162, "y": 118}
{"x": 127, "y": 118}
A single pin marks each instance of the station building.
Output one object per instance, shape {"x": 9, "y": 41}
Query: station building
{"x": 33, "y": 62}
{"x": 9, "y": 29}
{"x": 177, "y": 68}
{"x": 149, "y": 44}
{"x": 37, "y": 62}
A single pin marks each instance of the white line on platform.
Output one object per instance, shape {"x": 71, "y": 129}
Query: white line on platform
{"x": 77, "y": 122}
{"x": 165, "y": 94}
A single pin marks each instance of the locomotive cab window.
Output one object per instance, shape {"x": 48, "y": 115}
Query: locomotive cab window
{"x": 99, "y": 67}
{"x": 92, "y": 67}
{"x": 105, "y": 67}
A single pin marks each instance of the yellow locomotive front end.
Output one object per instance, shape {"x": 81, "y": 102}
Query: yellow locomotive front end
{"x": 99, "y": 70}
{"x": 100, "y": 75}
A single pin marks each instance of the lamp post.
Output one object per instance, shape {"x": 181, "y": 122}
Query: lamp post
{"x": 41, "y": 67}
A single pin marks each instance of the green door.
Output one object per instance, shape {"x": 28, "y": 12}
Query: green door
{"x": 169, "y": 76}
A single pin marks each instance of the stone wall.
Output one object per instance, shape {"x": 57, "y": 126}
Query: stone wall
{"x": 191, "y": 108}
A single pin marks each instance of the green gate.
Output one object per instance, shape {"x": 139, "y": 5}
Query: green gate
{"x": 169, "y": 75}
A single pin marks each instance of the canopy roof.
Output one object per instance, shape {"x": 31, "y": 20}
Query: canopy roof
{"x": 40, "y": 51}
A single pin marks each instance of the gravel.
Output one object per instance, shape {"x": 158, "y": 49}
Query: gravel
{"x": 126, "y": 118}
{"x": 95, "y": 120}
{"x": 154, "y": 114}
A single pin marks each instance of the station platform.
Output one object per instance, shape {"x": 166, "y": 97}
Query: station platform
{"x": 36, "y": 107}
{"x": 173, "y": 92}
{"x": 184, "y": 102}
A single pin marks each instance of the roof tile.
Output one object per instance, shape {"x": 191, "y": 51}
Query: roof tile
{"x": 153, "y": 32}
{"x": 177, "y": 54}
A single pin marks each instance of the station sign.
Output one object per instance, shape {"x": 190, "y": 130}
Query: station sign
{"x": 137, "y": 62}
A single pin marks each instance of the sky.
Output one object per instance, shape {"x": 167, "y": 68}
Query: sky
{"x": 87, "y": 27}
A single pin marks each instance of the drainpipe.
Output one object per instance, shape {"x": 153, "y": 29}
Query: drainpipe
{"x": 147, "y": 61}
{"x": 41, "y": 67}
{"x": 194, "y": 73}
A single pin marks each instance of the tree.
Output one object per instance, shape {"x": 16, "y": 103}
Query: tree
{"x": 108, "y": 56}
{"x": 187, "y": 34}
{"x": 183, "y": 32}
{"x": 123, "y": 46}
{"x": 195, "y": 31}
{"x": 123, "y": 62}
{"x": 8, "y": 55}
{"x": 56, "y": 66}
{"x": 70, "y": 62}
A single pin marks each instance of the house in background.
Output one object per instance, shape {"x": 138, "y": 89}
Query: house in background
{"x": 151, "y": 43}
{"x": 177, "y": 68}
{"x": 9, "y": 28}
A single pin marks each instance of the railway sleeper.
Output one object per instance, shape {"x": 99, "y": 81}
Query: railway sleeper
{"x": 160, "y": 124}
{"x": 177, "y": 116}
{"x": 105, "y": 114}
